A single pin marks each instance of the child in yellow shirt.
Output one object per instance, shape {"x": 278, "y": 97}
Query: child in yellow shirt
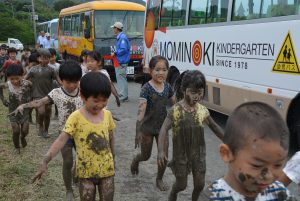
{"x": 91, "y": 127}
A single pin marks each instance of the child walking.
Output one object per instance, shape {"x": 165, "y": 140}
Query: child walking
{"x": 154, "y": 98}
{"x": 187, "y": 118}
{"x": 12, "y": 54}
{"x": 19, "y": 91}
{"x": 92, "y": 130}
{"x": 67, "y": 99}
{"x": 255, "y": 148}
{"x": 42, "y": 77}
{"x": 94, "y": 63}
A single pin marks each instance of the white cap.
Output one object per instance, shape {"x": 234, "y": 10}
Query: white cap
{"x": 47, "y": 34}
{"x": 118, "y": 25}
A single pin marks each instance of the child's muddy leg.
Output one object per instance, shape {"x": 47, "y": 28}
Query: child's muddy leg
{"x": 179, "y": 185}
{"x": 146, "y": 148}
{"x": 106, "y": 189}
{"x": 199, "y": 182}
{"x": 48, "y": 110}
{"x": 16, "y": 135}
{"x": 87, "y": 190}
{"x": 24, "y": 133}
{"x": 40, "y": 119}
{"x": 67, "y": 156}
{"x": 161, "y": 170}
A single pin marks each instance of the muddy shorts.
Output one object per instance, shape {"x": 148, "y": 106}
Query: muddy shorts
{"x": 182, "y": 168}
{"x": 20, "y": 118}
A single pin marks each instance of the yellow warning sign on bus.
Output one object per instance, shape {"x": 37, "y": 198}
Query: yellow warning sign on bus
{"x": 286, "y": 61}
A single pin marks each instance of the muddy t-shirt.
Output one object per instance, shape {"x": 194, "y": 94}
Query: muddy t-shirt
{"x": 221, "y": 191}
{"x": 188, "y": 139}
{"x": 65, "y": 103}
{"x": 42, "y": 80}
{"x": 156, "y": 110}
{"x": 93, "y": 154}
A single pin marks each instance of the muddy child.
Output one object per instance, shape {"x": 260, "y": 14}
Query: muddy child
{"x": 19, "y": 91}
{"x": 153, "y": 101}
{"x": 67, "y": 99}
{"x": 94, "y": 62}
{"x": 91, "y": 127}
{"x": 12, "y": 54}
{"x": 42, "y": 77}
{"x": 187, "y": 118}
{"x": 255, "y": 148}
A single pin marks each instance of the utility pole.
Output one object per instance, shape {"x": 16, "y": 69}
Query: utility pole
{"x": 34, "y": 22}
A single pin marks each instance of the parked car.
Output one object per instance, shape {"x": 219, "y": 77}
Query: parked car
{"x": 13, "y": 42}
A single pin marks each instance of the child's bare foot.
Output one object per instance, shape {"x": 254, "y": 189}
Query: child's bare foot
{"x": 134, "y": 167}
{"x": 23, "y": 142}
{"x": 16, "y": 151}
{"x": 45, "y": 134}
{"x": 161, "y": 185}
{"x": 70, "y": 196}
{"x": 172, "y": 197}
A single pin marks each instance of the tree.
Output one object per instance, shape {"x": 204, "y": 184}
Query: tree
{"x": 61, "y": 4}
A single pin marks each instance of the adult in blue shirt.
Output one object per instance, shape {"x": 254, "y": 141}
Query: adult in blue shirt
{"x": 122, "y": 55}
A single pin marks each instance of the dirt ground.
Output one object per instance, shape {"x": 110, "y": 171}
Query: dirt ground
{"x": 16, "y": 170}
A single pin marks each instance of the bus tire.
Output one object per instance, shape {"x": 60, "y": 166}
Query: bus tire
{"x": 293, "y": 123}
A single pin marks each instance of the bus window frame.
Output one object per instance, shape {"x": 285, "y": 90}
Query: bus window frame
{"x": 88, "y": 24}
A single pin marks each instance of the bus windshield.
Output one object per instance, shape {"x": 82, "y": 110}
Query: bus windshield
{"x": 53, "y": 30}
{"x": 133, "y": 22}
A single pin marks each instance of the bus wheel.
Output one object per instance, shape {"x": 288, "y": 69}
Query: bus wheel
{"x": 293, "y": 122}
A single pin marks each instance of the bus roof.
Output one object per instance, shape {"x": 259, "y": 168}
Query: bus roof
{"x": 103, "y": 5}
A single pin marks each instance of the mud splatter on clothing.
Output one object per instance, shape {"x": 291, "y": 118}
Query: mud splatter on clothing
{"x": 221, "y": 191}
{"x": 156, "y": 110}
{"x": 66, "y": 104}
{"x": 93, "y": 153}
{"x": 18, "y": 96}
{"x": 188, "y": 139}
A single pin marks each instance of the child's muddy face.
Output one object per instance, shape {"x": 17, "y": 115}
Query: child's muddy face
{"x": 256, "y": 166}
{"x": 15, "y": 80}
{"x": 94, "y": 105}
{"x": 44, "y": 60}
{"x": 2, "y": 52}
{"x": 193, "y": 96}
{"x": 12, "y": 55}
{"x": 159, "y": 72}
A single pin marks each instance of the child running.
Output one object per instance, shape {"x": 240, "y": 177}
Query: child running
{"x": 255, "y": 148}
{"x": 19, "y": 91}
{"x": 67, "y": 99}
{"x": 154, "y": 97}
{"x": 91, "y": 127}
{"x": 94, "y": 63}
{"x": 12, "y": 54}
{"x": 186, "y": 118}
{"x": 42, "y": 77}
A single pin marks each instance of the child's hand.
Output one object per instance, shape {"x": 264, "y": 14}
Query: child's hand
{"x": 118, "y": 101}
{"x": 162, "y": 159}
{"x": 19, "y": 109}
{"x": 40, "y": 172}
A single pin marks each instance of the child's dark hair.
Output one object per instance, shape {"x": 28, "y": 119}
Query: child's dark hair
{"x": 258, "y": 120}
{"x": 154, "y": 60}
{"x": 33, "y": 58}
{"x": 96, "y": 55}
{"x": 193, "y": 79}
{"x": 173, "y": 74}
{"x": 83, "y": 53}
{"x": 95, "y": 84}
{"x": 70, "y": 71}
{"x": 43, "y": 52}
{"x": 27, "y": 49}
{"x": 177, "y": 86}
{"x": 12, "y": 49}
{"x": 52, "y": 51}
{"x": 14, "y": 70}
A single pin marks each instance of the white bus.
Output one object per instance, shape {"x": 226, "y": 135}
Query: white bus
{"x": 50, "y": 27}
{"x": 248, "y": 49}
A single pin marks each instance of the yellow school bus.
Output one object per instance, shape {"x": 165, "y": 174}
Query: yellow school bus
{"x": 88, "y": 26}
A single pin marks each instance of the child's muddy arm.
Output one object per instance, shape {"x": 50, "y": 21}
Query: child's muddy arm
{"x": 218, "y": 131}
{"x": 112, "y": 143}
{"x": 140, "y": 117}
{"x": 161, "y": 156}
{"x": 5, "y": 102}
{"x": 173, "y": 100}
{"x": 115, "y": 93}
{"x": 32, "y": 104}
{"x": 52, "y": 152}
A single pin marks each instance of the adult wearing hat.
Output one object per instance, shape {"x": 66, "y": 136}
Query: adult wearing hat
{"x": 40, "y": 39}
{"x": 48, "y": 42}
{"x": 122, "y": 55}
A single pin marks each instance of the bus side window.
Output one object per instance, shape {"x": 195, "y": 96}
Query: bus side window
{"x": 81, "y": 26}
{"x": 88, "y": 26}
{"x": 254, "y": 9}
{"x": 173, "y": 13}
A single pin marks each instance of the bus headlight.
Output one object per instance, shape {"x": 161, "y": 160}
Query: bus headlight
{"x": 108, "y": 62}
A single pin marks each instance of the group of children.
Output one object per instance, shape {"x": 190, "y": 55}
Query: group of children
{"x": 254, "y": 144}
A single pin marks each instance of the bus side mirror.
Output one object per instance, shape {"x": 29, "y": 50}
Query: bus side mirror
{"x": 87, "y": 33}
